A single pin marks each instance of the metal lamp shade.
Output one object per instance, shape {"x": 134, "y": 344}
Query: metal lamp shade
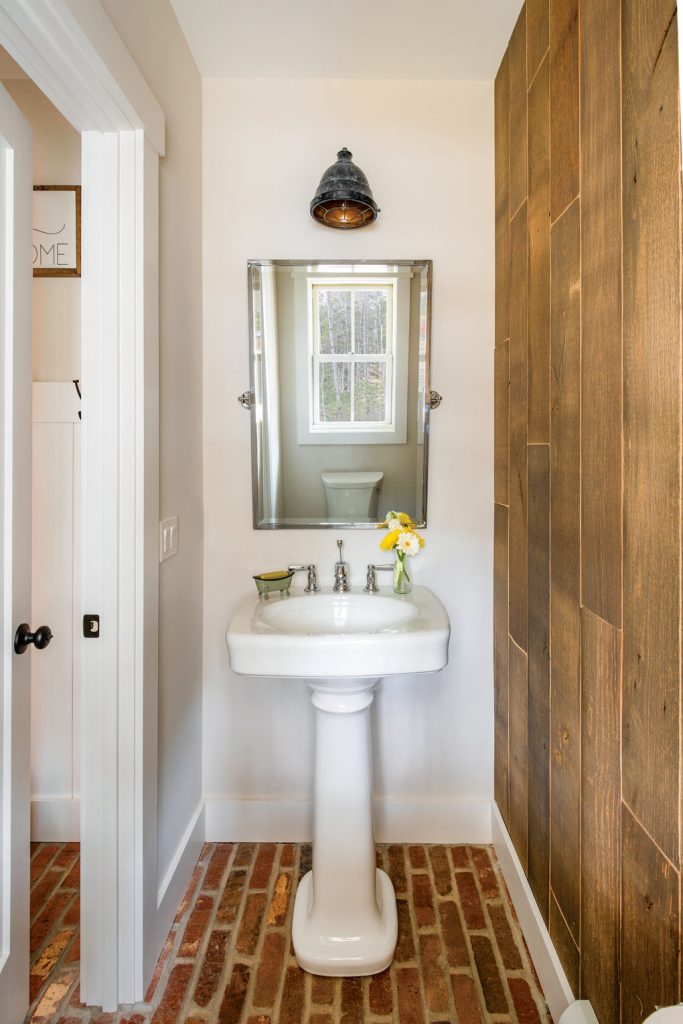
{"x": 344, "y": 198}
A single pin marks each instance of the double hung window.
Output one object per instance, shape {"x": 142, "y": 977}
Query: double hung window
{"x": 352, "y": 356}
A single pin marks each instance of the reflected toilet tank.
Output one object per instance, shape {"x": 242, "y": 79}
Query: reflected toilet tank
{"x": 352, "y": 495}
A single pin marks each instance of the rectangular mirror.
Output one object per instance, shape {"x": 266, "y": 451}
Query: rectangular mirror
{"x": 339, "y": 391}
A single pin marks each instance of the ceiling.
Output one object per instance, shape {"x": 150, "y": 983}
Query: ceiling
{"x": 420, "y": 39}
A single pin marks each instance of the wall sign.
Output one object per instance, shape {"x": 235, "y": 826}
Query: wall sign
{"x": 57, "y": 231}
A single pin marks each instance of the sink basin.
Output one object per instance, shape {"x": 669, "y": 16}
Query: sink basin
{"x": 338, "y": 613}
{"x": 345, "y": 635}
{"x": 345, "y": 920}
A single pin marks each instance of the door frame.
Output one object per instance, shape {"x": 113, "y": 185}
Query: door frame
{"x": 15, "y": 512}
{"x": 72, "y": 52}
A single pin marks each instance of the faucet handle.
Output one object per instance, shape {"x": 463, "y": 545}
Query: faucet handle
{"x": 312, "y": 587}
{"x": 371, "y": 582}
{"x": 312, "y": 584}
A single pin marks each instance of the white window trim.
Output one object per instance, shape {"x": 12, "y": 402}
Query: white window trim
{"x": 304, "y": 280}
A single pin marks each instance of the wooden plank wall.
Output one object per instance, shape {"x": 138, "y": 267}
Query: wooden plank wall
{"x": 587, "y": 554}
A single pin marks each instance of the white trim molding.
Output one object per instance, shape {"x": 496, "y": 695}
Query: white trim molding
{"x": 556, "y": 988}
{"x": 177, "y": 878}
{"x": 428, "y": 820}
{"x": 187, "y": 852}
{"x": 71, "y": 50}
{"x": 579, "y": 1012}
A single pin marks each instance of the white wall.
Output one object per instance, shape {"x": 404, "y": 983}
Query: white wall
{"x": 56, "y": 300}
{"x": 427, "y": 148}
{"x": 153, "y": 37}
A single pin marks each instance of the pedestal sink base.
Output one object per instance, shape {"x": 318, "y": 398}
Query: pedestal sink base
{"x": 320, "y": 948}
{"x": 341, "y": 644}
{"x": 345, "y": 910}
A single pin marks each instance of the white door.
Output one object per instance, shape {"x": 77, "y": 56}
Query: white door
{"x": 55, "y": 598}
{"x": 16, "y": 190}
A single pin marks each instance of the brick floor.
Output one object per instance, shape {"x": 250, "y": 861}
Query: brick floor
{"x": 228, "y": 958}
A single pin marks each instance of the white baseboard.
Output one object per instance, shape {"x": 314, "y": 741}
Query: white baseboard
{"x": 458, "y": 820}
{"x": 551, "y": 974}
{"x": 184, "y": 859}
{"x": 230, "y": 819}
{"x": 579, "y": 1012}
{"x": 173, "y": 886}
{"x": 55, "y": 819}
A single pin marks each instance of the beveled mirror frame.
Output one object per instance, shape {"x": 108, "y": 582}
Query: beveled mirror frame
{"x": 247, "y": 399}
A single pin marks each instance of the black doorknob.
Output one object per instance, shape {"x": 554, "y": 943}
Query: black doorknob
{"x": 23, "y": 637}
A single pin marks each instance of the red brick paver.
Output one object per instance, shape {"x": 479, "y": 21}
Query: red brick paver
{"x": 460, "y": 956}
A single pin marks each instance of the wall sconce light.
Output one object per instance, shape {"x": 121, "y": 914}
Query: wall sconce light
{"x": 344, "y": 198}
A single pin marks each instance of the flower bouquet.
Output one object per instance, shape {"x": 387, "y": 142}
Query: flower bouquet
{"x": 403, "y": 541}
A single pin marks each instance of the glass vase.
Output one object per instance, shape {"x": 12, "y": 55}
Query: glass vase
{"x": 402, "y": 584}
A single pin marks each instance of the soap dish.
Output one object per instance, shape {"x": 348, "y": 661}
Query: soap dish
{"x": 268, "y": 583}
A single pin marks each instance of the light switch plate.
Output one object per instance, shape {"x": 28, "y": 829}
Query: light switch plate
{"x": 168, "y": 538}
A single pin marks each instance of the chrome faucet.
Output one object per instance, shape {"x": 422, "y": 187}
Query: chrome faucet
{"x": 312, "y": 585}
{"x": 341, "y": 573}
{"x": 371, "y": 582}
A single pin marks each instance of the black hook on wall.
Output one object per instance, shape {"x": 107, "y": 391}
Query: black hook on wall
{"x": 77, "y": 384}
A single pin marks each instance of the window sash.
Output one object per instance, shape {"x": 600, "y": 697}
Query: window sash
{"x": 353, "y": 358}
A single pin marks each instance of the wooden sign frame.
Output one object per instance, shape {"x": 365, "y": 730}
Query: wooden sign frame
{"x": 57, "y": 271}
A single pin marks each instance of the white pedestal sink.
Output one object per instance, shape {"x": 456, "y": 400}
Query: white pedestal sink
{"x": 341, "y": 645}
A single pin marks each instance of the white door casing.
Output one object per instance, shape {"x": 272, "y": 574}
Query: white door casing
{"x": 15, "y": 551}
{"x": 72, "y": 52}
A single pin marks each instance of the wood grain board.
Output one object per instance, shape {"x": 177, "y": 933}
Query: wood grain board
{"x": 652, "y": 416}
{"x": 600, "y": 815}
{"x": 536, "y": 36}
{"x": 518, "y": 102}
{"x": 601, "y": 369}
{"x": 518, "y": 429}
{"x": 539, "y": 258}
{"x": 518, "y": 756}
{"x": 564, "y": 105}
{"x": 650, "y": 925}
{"x": 501, "y": 96}
{"x": 565, "y": 720}
{"x": 564, "y": 944}
{"x": 500, "y": 658}
{"x": 501, "y": 422}
{"x": 539, "y": 674}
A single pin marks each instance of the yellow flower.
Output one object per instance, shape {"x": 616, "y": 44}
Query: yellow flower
{"x": 405, "y": 519}
{"x": 389, "y": 542}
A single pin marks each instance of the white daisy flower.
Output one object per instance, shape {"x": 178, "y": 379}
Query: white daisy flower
{"x": 393, "y": 524}
{"x": 408, "y": 543}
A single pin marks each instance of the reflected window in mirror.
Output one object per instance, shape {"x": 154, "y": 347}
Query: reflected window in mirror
{"x": 340, "y": 377}
{"x": 353, "y": 346}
